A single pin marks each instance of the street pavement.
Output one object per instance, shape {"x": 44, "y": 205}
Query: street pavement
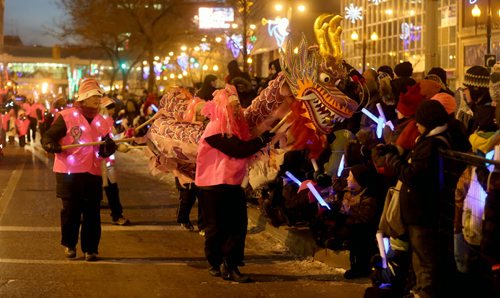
{"x": 153, "y": 257}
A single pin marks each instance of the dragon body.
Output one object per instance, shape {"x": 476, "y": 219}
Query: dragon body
{"x": 315, "y": 84}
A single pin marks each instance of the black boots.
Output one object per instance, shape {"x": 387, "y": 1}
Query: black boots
{"x": 232, "y": 273}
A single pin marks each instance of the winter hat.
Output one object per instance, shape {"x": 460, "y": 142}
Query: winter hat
{"x": 89, "y": 87}
{"x": 447, "y": 101}
{"x": 477, "y": 76}
{"x": 429, "y": 88}
{"x": 363, "y": 174}
{"x": 439, "y": 72}
{"x": 431, "y": 114}
{"x": 404, "y": 69}
{"x": 435, "y": 78}
{"x": 387, "y": 70}
{"x": 409, "y": 101}
{"x": 107, "y": 103}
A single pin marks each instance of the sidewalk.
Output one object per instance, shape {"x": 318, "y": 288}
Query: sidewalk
{"x": 298, "y": 240}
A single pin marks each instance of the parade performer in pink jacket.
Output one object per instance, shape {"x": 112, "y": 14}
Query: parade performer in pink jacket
{"x": 221, "y": 165}
{"x": 78, "y": 169}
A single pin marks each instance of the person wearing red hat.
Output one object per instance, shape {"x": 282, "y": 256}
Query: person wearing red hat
{"x": 78, "y": 169}
{"x": 406, "y": 131}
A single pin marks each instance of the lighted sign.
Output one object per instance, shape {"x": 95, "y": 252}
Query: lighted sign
{"x": 409, "y": 32}
{"x": 215, "y": 17}
{"x": 277, "y": 28}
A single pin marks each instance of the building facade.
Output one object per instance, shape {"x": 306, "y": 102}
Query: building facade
{"x": 427, "y": 33}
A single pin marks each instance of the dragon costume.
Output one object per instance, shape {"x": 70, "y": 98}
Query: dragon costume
{"x": 315, "y": 84}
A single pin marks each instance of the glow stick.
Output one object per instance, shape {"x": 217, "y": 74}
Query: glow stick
{"x": 341, "y": 166}
{"x": 155, "y": 108}
{"x": 381, "y": 249}
{"x": 315, "y": 164}
{"x": 317, "y": 195}
{"x": 293, "y": 178}
{"x": 370, "y": 115}
{"x": 382, "y": 115}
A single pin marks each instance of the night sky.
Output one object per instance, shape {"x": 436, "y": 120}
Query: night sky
{"x": 31, "y": 19}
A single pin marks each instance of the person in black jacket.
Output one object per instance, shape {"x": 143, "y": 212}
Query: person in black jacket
{"x": 426, "y": 198}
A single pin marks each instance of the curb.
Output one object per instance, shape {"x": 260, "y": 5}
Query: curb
{"x": 298, "y": 240}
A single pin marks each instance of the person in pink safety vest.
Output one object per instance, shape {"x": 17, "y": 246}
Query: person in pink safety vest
{"x": 78, "y": 169}
{"x": 22, "y": 126}
{"x": 109, "y": 181}
{"x": 221, "y": 165}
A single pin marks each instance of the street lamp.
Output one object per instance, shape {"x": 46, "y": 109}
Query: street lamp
{"x": 476, "y": 13}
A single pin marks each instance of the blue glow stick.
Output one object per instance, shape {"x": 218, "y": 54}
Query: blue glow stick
{"x": 370, "y": 115}
{"x": 379, "y": 121}
{"x": 382, "y": 116}
{"x": 155, "y": 108}
{"x": 118, "y": 121}
{"x": 293, "y": 178}
{"x": 341, "y": 166}
{"x": 317, "y": 196}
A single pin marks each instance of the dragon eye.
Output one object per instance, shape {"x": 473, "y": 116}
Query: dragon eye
{"x": 324, "y": 78}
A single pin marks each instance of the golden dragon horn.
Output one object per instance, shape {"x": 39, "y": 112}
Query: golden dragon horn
{"x": 334, "y": 32}
{"x": 320, "y": 29}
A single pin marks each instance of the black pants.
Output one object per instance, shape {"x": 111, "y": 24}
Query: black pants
{"x": 22, "y": 140}
{"x": 32, "y": 129}
{"x": 81, "y": 194}
{"x": 187, "y": 197}
{"x": 225, "y": 220}
{"x": 112, "y": 193}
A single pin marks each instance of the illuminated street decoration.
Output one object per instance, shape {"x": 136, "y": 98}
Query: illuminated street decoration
{"x": 183, "y": 61}
{"x": 158, "y": 68}
{"x": 235, "y": 44}
{"x": 376, "y": 2}
{"x": 353, "y": 13}
{"x": 472, "y": 1}
{"x": 204, "y": 47}
{"x": 277, "y": 28}
{"x": 409, "y": 32}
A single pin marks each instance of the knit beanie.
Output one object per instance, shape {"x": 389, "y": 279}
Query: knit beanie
{"x": 386, "y": 69}
{"x": 477, "y": 76}
{"x": 438, "y": 71}
{"x": 429, "y": 88}
{"x": 89, "y": 87}
{"x": 409, "y": 101}
{"x": 404, "y": 69}
{"x": 431, "y": 114}
{"x": 447, "y": 101}
{"x": 363, "y": 174}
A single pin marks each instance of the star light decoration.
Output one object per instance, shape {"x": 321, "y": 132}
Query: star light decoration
{"x": 353, "y": 13}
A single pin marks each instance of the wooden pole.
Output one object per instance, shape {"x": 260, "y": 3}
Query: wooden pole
{"x": 282, "y": 121}
{"x": 155, "y": 116}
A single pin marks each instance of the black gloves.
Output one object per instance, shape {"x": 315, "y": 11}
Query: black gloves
{"x": 266, "y": 137}
{"x": 108, "y": 148}
{"x": 53, "y": 148}
{"x": 323, "y": 180}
